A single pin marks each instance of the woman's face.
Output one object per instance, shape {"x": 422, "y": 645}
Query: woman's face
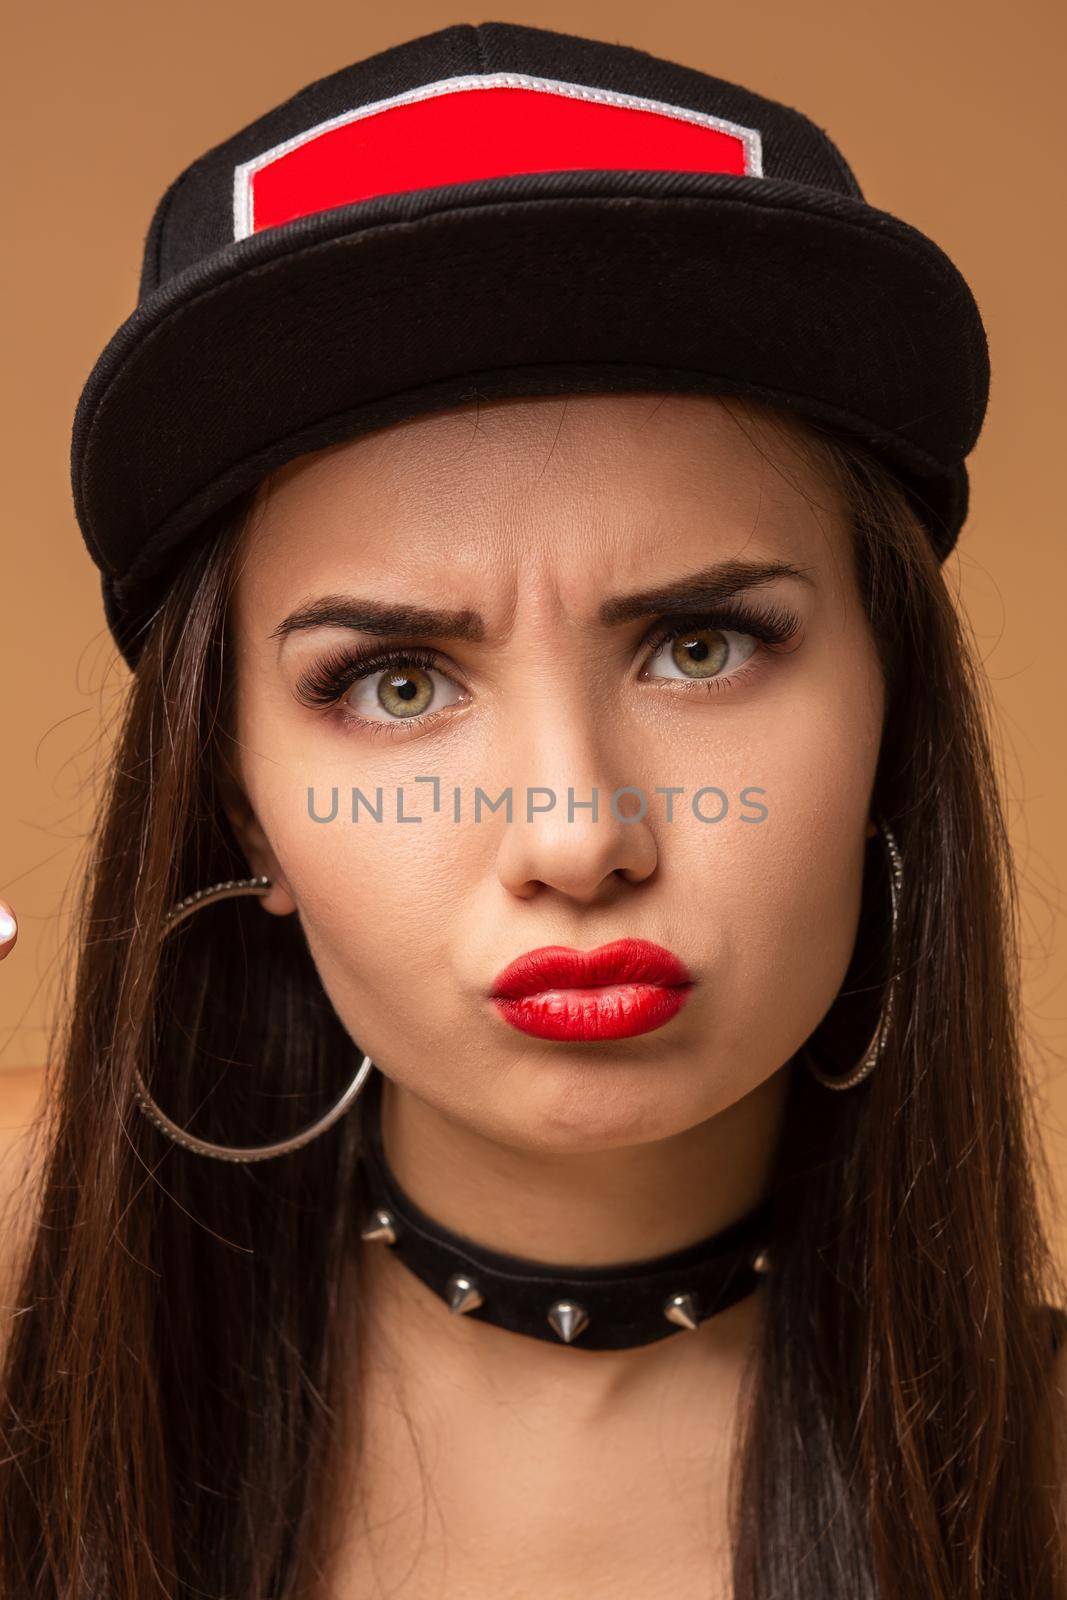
{"x": 542, "y": 529}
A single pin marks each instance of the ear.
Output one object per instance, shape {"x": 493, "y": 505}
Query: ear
{"x": 279, "y": 901}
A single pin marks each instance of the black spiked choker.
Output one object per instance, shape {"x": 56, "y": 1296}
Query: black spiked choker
{"x": 601, "y": 1308}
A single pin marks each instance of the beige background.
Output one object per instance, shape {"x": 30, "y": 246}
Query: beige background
{"x": 948, "y": 113}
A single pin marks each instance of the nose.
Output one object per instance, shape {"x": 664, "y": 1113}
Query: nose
{"x": 565, "y": 838}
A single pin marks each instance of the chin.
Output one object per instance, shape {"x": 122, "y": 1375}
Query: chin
{"x": 597, "y": 1098}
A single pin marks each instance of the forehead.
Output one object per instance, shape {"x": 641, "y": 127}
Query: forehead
{"x": 576, "y": 481}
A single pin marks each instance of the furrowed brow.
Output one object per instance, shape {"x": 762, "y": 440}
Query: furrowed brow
{"x": 700, "y": 590}
{"x": 382, "y": 617}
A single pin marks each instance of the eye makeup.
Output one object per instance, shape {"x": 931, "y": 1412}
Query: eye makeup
{"x": 324, "y": 683}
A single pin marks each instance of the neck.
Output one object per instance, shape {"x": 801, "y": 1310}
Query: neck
{"x": 593, "y": 1209}
{"x": 596, "y": 1208}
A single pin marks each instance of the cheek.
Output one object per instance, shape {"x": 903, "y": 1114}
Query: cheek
{"x": 376, "y": 900}
{"x": 789, "y": 903}
{"x": 788, "y": 890}
{"x": 374, "y": 896}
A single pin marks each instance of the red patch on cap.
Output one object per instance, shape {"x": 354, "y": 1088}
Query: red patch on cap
{"x": 444, "y": 133}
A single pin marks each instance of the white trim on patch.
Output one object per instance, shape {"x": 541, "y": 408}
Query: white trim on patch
{"x": 244, "y": 173}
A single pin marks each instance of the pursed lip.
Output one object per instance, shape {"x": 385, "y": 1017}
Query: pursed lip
{"x": 557, "y": 966}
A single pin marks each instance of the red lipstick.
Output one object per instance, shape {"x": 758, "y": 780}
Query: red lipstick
{"x": 613, "y": 992}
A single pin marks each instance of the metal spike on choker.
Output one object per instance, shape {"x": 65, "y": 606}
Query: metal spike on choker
{"x": 601, "y": 1308}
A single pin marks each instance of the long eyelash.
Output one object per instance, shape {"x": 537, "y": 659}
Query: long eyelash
{"x": 327, "y": 681}
{"x": 773, "y": 625}
{"x": 324, "y": 683}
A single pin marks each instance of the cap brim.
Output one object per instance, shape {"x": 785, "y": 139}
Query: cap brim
{"x": 304, "y": 335}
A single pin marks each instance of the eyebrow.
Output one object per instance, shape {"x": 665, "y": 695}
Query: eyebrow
{"x": 708, "y": 587}
{"x": 381, "y": 616}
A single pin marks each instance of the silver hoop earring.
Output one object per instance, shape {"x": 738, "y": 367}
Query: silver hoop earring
{"x": 873, "y": 1053}
{"x": 225, "y": 1152}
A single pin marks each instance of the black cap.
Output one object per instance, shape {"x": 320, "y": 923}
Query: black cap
{"x": 496, "y": 209}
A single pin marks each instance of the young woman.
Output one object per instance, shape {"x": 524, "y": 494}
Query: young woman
{"x": 552, "y": 903}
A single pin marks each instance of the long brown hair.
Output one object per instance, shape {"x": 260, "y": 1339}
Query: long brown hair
{"x": 174, "y": 1403}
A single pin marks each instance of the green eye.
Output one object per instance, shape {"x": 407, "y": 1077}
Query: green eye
{"x": 399, "y": 686}
{"x": 702, "y": 652}
{"x": 406, "y": 693}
